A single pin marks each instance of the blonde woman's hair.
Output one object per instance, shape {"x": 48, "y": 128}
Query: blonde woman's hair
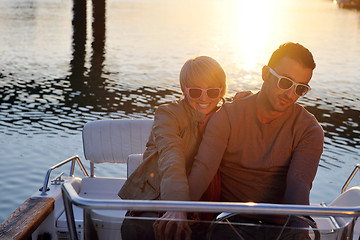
{"x": 203, "y": 68}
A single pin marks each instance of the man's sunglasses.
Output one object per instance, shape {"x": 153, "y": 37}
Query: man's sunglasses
{"x": 196, "y": 93}
{"x": 285, "y": 83}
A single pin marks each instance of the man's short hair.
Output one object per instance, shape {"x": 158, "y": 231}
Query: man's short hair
{"x": 294, "y": 51}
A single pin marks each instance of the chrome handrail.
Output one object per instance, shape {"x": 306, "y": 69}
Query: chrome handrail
{"x": 343, "y": 189}
{"x": 201, "y": 206}
{"x": 72, "y": 160}
{"x": 70, "y": 197}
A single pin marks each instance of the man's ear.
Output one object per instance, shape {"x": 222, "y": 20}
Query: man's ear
{"x": 265, "y": 73}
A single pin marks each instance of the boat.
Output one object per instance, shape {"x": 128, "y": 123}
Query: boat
{"x": 88, "y": 207}
{"x": 350, "y": 4}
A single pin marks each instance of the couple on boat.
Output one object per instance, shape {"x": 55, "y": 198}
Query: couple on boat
{"x": 262, "y": 148}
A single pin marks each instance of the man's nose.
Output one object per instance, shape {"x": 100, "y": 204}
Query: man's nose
{"x": 290, "y": 93}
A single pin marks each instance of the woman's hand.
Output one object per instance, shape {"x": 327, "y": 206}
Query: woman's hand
{"x": 171, "y": 225}
{"x": 242, "y": 94}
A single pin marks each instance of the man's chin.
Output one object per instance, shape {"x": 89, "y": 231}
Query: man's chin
{"x": 280, "y": 107}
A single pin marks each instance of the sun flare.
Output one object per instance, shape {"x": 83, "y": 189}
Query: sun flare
{"x": 251, "y": 22}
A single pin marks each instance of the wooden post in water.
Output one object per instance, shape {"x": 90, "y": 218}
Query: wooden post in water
{"x": 98, "y": 44}
{"x": 79, "y": 40}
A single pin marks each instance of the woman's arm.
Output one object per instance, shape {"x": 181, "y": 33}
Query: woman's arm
{"x": 169, "y": 144}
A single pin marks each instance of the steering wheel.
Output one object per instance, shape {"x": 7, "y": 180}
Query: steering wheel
{"x": 223, "y": 218}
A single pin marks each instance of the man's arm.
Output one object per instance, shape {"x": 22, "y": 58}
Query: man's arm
{"x": 303, "y": 166}
{"x": 210, "y": 153}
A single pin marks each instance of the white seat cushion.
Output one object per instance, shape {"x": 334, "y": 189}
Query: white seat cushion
{"x": 134, "y": 160}
{"x": 113, "y": 140}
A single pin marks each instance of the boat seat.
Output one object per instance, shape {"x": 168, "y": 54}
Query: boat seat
{"x": 340, "y": 227}
{"x": 134, "y": 160}
{"x": 349, "y": 198}
{"x": 114, "y": 140}
{"x": 111, "y": 141}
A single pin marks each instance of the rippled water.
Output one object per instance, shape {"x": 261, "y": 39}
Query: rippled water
{"x": 54, "y": 77}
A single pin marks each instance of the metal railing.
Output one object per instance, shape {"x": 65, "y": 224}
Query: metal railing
{"x": 71, "y": 197}
{"x": 72, "y": 160}
{"x": 356, "y": 169}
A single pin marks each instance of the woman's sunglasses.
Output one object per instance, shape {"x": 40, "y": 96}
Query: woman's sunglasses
{"x": 285, "y": 83}
{"x": 196, "y": 93}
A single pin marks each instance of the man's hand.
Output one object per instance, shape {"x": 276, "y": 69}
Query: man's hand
{"x": 242, "y": 94}
{"x": 171, "y": 225}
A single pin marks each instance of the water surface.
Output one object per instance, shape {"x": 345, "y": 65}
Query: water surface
{"x": 54, "y": 77}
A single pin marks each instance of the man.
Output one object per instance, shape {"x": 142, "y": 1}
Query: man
{"x": 266, "y": 146}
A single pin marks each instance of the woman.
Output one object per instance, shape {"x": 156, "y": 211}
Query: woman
{"x": 173, "y": 142}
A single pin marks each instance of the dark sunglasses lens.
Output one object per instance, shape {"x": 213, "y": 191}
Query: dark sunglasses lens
{"x": 213, "y": 93}
{"x": 301, "y": 90}
{"x": 285, "y": 83}
{"x": 195, "y": 93}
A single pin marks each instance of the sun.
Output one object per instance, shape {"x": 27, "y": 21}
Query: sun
{"x": 252, "y": 29}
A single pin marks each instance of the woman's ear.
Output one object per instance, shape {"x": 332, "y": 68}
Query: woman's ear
{"x": 265, "y": 73}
